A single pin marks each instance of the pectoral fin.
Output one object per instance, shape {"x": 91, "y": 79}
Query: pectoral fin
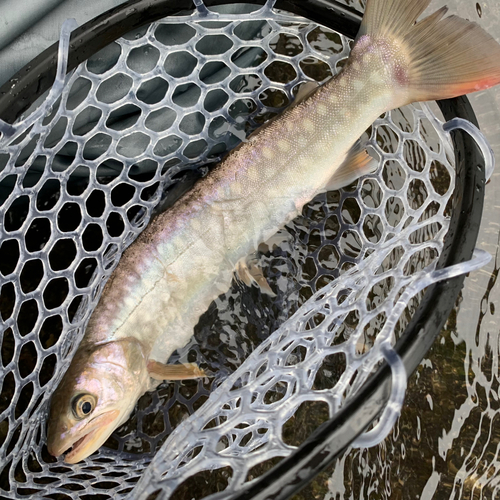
{"x": 356, "y": 164}
{"x": 160, "y": 371}
{"x": 250, "y": 273}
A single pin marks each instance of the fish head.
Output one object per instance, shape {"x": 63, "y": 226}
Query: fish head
{"x": 96, "y": 395}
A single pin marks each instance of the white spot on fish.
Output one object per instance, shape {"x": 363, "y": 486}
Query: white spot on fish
{"x": 358, "y": 84}
{"x": 322, "y": 109}
{"x": 237, "y": 189}
{"x": 268, "y": 153}
{"x": 222, "y": 192}
{"x": 283, "y": 145}
{"x": 253, "y": 173}
{"x": 302, "y": 140}
{"x": 178, "y": 242}
{"x": 195, "y": 224}
{"x": 368, "y": 59}
{"x": 308, "y": 125}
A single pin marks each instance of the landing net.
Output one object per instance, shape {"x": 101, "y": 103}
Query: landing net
{"x": 80, "y": 177}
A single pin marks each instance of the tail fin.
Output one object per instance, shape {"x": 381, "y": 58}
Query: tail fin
{"x": 446, "y": 57}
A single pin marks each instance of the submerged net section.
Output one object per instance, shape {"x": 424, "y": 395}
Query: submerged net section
{"x": 81, "y": 176}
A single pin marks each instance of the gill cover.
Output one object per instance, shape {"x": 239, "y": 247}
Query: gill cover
{"x": 96, "y": 395}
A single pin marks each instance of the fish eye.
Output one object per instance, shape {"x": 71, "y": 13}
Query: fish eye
{"x": 83, "y": 405}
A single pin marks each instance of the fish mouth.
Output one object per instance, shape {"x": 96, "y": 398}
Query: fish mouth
{"x": 98, "y": 432}
{"x": 77, "y": 446}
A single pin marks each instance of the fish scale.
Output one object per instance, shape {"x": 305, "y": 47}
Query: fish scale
{"x": 198, "y": 265}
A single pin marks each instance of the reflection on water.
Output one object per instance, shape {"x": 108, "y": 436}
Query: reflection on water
{"x": 446, "y": 442}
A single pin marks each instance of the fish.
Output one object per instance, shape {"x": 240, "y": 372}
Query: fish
{"x": 186, "y": 256}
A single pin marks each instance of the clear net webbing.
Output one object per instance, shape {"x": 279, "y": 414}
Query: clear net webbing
{"x": 82, "y": 174}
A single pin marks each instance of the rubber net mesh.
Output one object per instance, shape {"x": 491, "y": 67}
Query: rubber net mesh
{"x": 82, "y": 173}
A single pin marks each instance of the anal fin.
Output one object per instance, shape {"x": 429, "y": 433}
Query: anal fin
{"x": 161, "y": 371}
{"x": 250, "y": 273}
{"x": 356, "y": 164}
